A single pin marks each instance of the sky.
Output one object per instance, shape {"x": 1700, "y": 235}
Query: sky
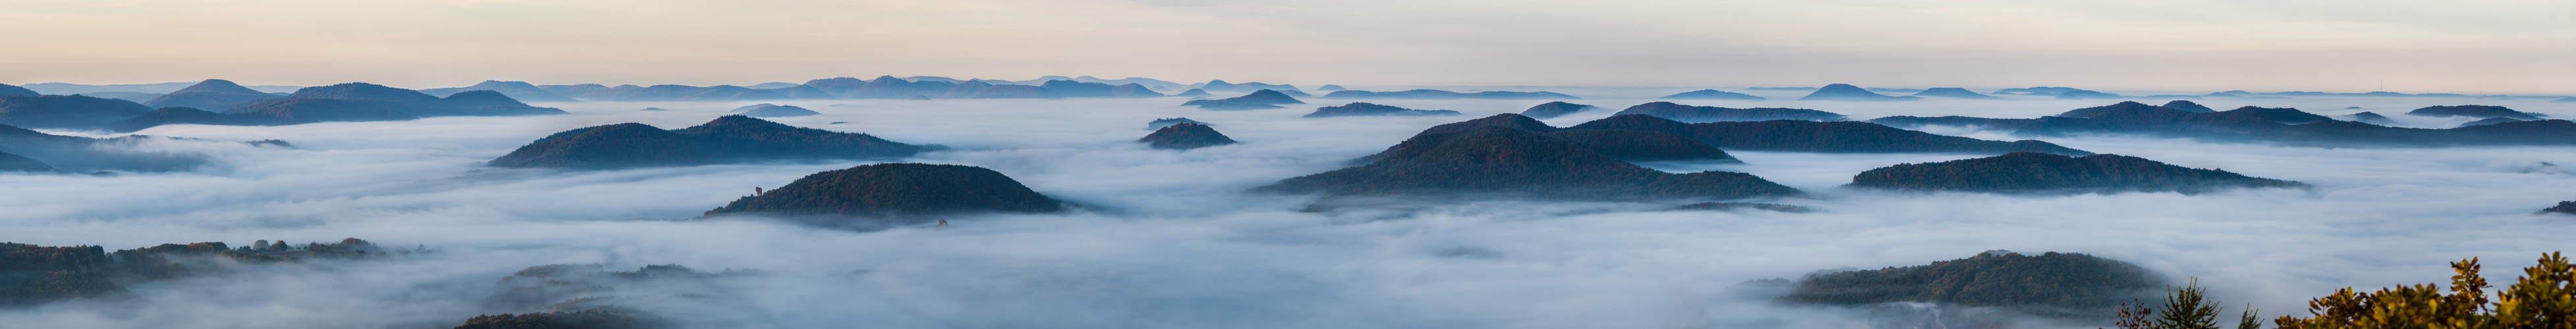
{"x": 2505, "y": 46}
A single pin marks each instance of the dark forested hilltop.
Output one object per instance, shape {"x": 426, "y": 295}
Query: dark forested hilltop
{"x": 1370, "y": 110}
{"x": 2051, "y": 284}
{"x": 1624, "y": 145}
{"x": 1823, "y": 137}
{"x": 727, "y": 139}
{"x": 1185, "y": 135}
{"x": 2050, "y": 173}
{"x": 1555, "y": 109}
{"x": 1506, "y": 162}
{"x": 32, "y": 274}
{"x": 883, "y": 195}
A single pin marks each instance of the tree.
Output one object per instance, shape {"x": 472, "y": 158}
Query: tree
{"x": 2544, "y": 298}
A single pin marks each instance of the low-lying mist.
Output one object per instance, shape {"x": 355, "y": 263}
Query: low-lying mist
{"x": 1167, "y": 240}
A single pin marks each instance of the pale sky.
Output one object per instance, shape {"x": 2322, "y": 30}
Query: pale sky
{"x": 2505, "y": 46}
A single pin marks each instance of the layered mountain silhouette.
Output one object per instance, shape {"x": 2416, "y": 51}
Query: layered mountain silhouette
{"x": 2061, "y": 285}
{"x": 8, "y": 90}
{"x": 13, "y": 162}
{"x": 518, "y": 90}
{"x": 728, "y": 139}
{"x": 368, "y": 102}
{"x": 1185, "y": 135}
{"x": 1331, "y": 88}
{"x": 186, "y": 115}
{"x": 2490, "y": 121}
{"x": 2474, "y": 111}
{"x": 1556, "y": 109}
{"x": 1623, "y": 145}
{"x": 2026, "y": 172}
{"x": 1913, "y": 122}
{"x": 1699, "y": 114}
{"x": 216, "y": 94}
{"x": 767, "y": 110}
{"x": 1259, "y": 99}
{"x": 1505, "y": 162}
{"x": 889, "y": 194}
{"x": 1368, "y": 109}
{"x": 1821, "y": 137}
{"x": 1713, "y": 94}
{"x": 663, "y": 93}
{"x": 1444, "y": 94}
{"x": 1849, "y": 93}
{"x": 2257, "y": 124}
{"x": 83, "y": 154}
{"x": 65, "y": 111}
{"x": 2188, "y": 106}
{"x": 802, "y": 92}
{"x": 2087, "y": 94}
{"x": 2370, "y": 118}
{"x": 1960, "y": 93}
{"x": 1158, "y": 124}
{"x": 1193, "y": 93}
{"x": 1221, "y": 85}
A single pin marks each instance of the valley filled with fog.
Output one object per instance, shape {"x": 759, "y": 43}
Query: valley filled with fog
{"x": 1170, "y": 239}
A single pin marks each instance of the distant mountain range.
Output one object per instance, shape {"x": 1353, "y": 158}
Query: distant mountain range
{"x": 1443, "y": 94}
{"x": 1699, "y": 114}
{"x": 1556, "y": 109}
{"x": 1372, "y": 110}
{"x": 2257, "y": 124}
{"x": 1849, "y": 93}
{"x": 728, "y": 139}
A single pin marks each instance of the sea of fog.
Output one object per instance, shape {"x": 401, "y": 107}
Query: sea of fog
{"x": 1168, "y": 242}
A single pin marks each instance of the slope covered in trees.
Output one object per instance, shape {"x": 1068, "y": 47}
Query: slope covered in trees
{"x": 728, "y": 139}
{"x": 2050, "y": 173}
{"x": 882, "y": 195}
{"x": 1555, "y": 109}
{"x": 83, "y": 154}
{"x": 1823, "y": 137}
{"x": 1518, "y": 163}
{"x": 1185, "y": 135}
{"x": 2059, "y": 284}
{"x": 31, "y": 274}
{"x": 1624, "y": 145}
{"x": 1371, "y": 110}
{"x": 65, "y": 111}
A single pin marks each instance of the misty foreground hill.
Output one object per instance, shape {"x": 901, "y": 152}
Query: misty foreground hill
{"x": 2027, "y": 172}
{"x": 2055, "y": 285}
{"x": 32, "y": 275}
{"x": 885, "y": 195}
{"x": 2258, "y": 124}
{"x": 84, "y": 154}
{"x": 727, "y": 139}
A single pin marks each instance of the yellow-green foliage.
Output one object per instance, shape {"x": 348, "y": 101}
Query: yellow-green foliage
{"x": 2544, "y": 298}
